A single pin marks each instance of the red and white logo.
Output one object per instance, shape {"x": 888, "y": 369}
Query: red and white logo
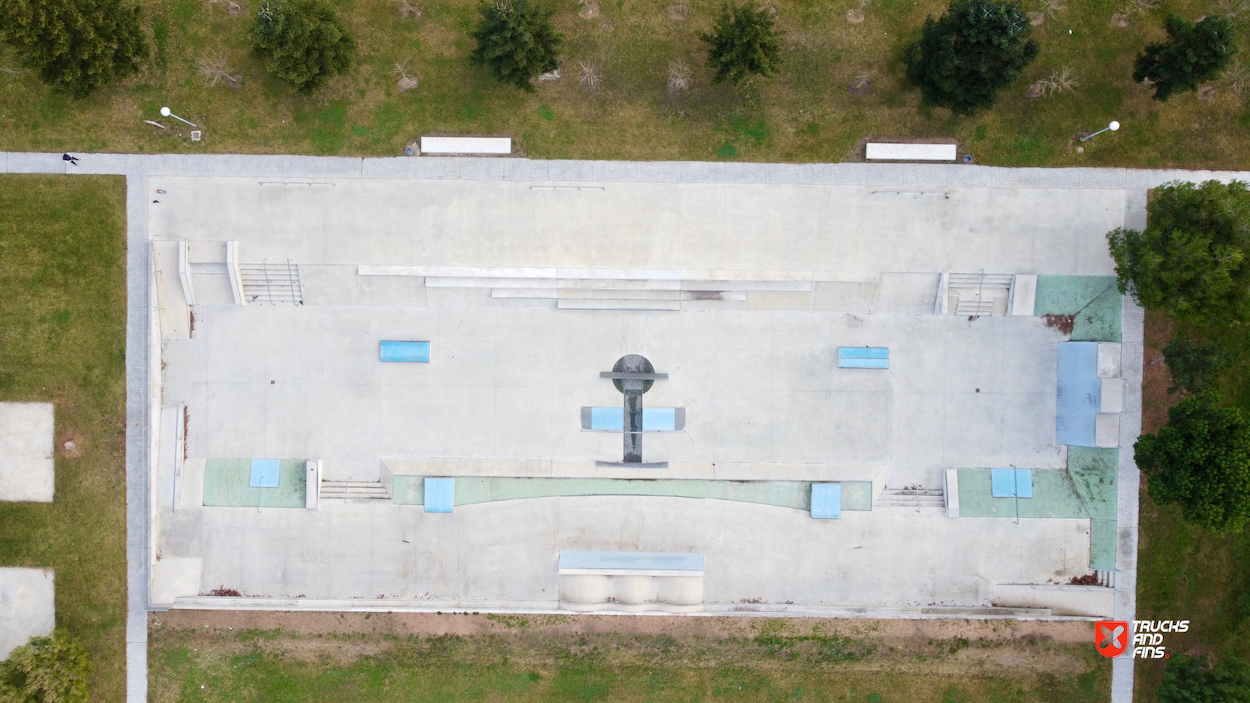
{"x": 1111, "y": 637}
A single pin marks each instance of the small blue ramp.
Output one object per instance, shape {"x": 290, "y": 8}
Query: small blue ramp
{"x": 409, "y": 352}
{"x": 826, "y": 500}
{"x": 863, "y": 357}
{"x": 653, "y": 419}
{"x": 1011, "y": 483}
{"x": 1079, "y": 394}
{"x": 440, "y": 495}
{"x": 264, "y": 473}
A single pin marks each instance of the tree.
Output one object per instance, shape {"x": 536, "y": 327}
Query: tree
{"x": 516, "y": 42}
{"x": 743, "y": 42}
{"x": 1193, "y": 680}
{"x": 1201, "y": 461}
{"x": 303, "y": 41}
{"x": 1193, "y": 53}
{"x": 46, "y": 670}
{"x": 75, "y": 45}
{"x": 1190, "y": 262}
{"x": 970, "y": 53}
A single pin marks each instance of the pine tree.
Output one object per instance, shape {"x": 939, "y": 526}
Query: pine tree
{"x": 304, "y": 42}
{"x": 744, "y": 42}
{"x": 75, "y": 45}
{"x": 963, "y": 58}
{"x": 516, "y": 42}
{"x": 1193, "y": 53}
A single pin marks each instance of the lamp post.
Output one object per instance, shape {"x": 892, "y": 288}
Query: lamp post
{"x": 1113, "y": 127}
{"x": 166, "y": 113}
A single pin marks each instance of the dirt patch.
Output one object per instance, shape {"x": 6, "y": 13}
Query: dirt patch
{"x": 1061, "y": 323}
{"x": 679, "y": 627}
{"x": 1156, "y": 378}
{"x": 1086, "y": 580}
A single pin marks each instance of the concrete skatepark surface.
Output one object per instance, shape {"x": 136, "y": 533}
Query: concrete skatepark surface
{"x": 814, "y": 268}
{"x": 144, "y": 455}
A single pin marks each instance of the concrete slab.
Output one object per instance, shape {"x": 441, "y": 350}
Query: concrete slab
{"x": 27, "y": 606}
{"x": 27, "y": 469}
{"x": 756, "y": 373}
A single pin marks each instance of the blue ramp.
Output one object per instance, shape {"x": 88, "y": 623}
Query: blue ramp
{"x": 827, "y": 500}
{"x": 410, "y": 352}
{"x": 1011, "y": 483}
{"x": 863, "y": 357}
{"x": 264, "y": 473}
{"x": 653, "y": 419}
{"x": 1079, "y": 394}
{"x": 440, "y": 495}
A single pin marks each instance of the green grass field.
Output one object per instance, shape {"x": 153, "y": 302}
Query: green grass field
{"x": 1184, "y": 572}
{"x": 545, "y": 658}
{"x": 804, "y": 114}
{"x": 62, "y": 341}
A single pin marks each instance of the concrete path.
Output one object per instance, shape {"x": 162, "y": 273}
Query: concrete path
{"x": 137, "y": 168}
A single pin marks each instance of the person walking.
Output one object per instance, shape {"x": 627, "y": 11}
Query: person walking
{"x": 71, "y": 159}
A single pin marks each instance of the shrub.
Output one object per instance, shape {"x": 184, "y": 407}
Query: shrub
{"x": 303, "y": 41}
{"x": 972, "y": 51}
{"x": 46, "y": 670}
{"x": 1193, "y": 53}
{"x": 516, "y": 42}
{"x": 75, "y": 45}
{"x": 1190, "y": 262}
{"x": 1201, "y": 462}
{"x": 1192, "y": 680}
{"x": 1195, "y": 362}
{"x": 743, "y": 42}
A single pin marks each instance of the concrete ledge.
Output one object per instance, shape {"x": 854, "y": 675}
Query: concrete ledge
{"x": 1023, "y": 294}
{"x": 951, "y": 492}
{"x": 1107, "y": 430}
{"x": 174, "y": 577}
{"x": 1112, "y": 395}
{"x": 910, "y": 152}
{"x": 1109, "y": 355}
{"x": 1088, "y": 601}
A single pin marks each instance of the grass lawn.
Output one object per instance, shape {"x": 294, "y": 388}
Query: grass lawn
{"x": 62, "y": 341}
{"x": 195, "y": 657}
{"x": 804, "y": 114}
{"x": 1185, "y": 573}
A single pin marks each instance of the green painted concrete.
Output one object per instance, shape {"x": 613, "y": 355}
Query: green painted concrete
{"x": 225, "y": 484}
{"x": 1086, "y": 490}
{"x": 1053, "y": 496}
{"x": 1095, "y": 473}
{"x": 409, "y": 490}
{"x": 1094, "y": 300}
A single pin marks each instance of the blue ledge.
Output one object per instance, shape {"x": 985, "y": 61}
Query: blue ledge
{"x": 440, "y": 495}
{"x": 264, "y": 473}
{"x": 863, "y": 357}
{"x": 410, "y": 352}
{"x": 827, "y": 500}
{"x": 632, "y": 561}
{"x": 1011, "y": 483}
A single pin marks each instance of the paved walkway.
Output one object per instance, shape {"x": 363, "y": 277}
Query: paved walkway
{"x": 139, "y": 399}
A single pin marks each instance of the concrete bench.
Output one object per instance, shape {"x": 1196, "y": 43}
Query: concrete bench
{"x": 910, "y": 152}
{"x": 405, "y": 352}
{"x": 493, "y": 146}
{"x": 863, "y": 358}
{"x": 631, "y": 581}
{"x": 653, "y": 419}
